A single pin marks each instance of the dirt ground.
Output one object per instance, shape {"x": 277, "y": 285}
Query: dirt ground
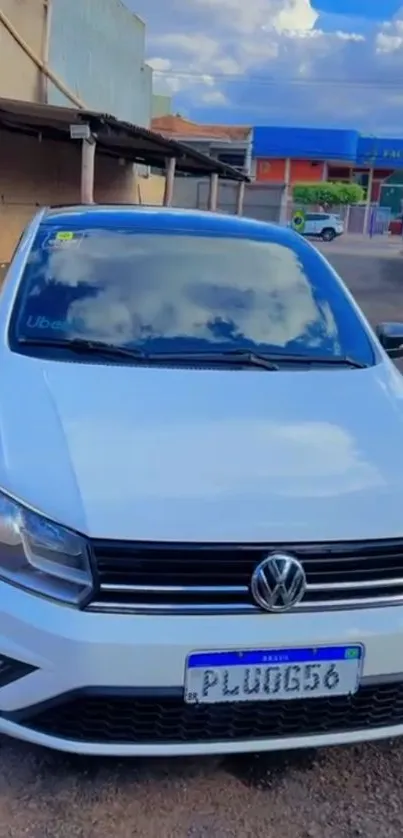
{"x": 337, "y": 793}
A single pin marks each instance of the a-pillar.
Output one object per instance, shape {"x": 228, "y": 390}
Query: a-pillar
{"x": 88, "y": 149}
{"x": 213, "y": 193}
{"x": 170, "y": 167}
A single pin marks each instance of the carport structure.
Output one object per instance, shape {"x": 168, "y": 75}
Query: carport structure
{"x": 107, "y": 136}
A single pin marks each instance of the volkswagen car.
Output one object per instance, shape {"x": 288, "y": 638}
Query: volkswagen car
{"x": 201, "y": 491}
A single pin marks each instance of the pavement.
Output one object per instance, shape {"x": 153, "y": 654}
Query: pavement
{"x": 335, "y": 793}
{"x": 374, "y": 276}
{"x": 355, "y": 243}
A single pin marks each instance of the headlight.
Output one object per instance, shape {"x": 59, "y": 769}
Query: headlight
{"x": 41, "y": 556}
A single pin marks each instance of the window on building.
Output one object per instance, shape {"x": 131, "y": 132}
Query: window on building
{"x": 235, "y": 159}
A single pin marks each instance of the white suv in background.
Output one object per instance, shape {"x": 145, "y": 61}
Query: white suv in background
{"x": 322, "y": 225}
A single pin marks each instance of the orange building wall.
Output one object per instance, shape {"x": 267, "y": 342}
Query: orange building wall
{"x": 301, "y": 170}
{"x": 306, "y": 171}
{"x": 272, "y": 170}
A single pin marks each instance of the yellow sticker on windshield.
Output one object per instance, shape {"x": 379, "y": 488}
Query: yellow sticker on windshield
{"x": 64, "y": 236}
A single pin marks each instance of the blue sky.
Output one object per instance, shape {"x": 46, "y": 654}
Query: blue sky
{"x": 375, "y": 10}
{"x": 281, "y": 62}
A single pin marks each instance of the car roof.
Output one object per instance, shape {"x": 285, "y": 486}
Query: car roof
{"x": 152, "y": 218}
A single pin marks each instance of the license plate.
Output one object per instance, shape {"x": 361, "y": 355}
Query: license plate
{"x": 273, "y": 674}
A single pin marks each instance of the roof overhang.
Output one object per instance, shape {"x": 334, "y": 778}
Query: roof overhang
{"x": 114, "y": 137}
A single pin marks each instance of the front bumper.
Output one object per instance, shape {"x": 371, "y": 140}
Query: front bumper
{"x": 126, "y": 660}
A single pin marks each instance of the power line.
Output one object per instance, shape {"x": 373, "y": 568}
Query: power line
{"x": 239, "y": 78}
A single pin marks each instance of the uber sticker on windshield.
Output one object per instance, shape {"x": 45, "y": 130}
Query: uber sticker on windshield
{"x": 62, "y": 239}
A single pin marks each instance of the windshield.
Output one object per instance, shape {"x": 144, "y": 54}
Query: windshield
{"x": 181, "y": 293}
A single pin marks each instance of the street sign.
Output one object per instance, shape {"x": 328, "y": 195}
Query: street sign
{"x": 298, "y": 221}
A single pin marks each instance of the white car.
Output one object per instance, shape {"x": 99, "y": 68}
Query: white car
{"x": 201, "y": 507}
{"x": 322, "y": 225}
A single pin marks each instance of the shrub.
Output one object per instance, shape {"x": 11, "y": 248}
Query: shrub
{"x": 328, "y": 194}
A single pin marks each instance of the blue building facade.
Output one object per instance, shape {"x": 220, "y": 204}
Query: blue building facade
{"x": 305, "y": 143}
{"x": 311, "y": 155}
{"x": 328, "y": 145}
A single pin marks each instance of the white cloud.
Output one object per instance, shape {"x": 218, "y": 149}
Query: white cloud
{"x": 197, "y": 56}
{"x": 390, "y": 38}
{"x": 270, "y": 59}
{"x": 160, "y": 64}
{"x": 247, "y": 17}
{"x": 215, "y": 97}
{"x": 169, "y": 82}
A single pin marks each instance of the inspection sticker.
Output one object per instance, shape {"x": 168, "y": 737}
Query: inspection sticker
{"x": 64, "y": 236}
{"x": 62, "y": 239}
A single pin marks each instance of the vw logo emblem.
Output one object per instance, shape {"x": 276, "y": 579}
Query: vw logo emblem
{"x": 278, "y": 583}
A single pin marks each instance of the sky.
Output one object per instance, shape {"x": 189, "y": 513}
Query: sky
{"x": 333, "y": 63}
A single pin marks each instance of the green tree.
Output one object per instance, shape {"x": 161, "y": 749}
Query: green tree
{"x": 328, "y": 194}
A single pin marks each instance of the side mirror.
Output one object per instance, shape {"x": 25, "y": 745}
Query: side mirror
{"x": 390, "y": 336}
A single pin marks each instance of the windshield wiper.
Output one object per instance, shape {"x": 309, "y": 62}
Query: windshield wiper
{"x": 244, "y": 357}
{"x": 82, "y": 346}
{"x": 311, "y": 360}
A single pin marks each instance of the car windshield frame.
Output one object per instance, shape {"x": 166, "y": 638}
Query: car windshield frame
{"x": 308, "y": 258}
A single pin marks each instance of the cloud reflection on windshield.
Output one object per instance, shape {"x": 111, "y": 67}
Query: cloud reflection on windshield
{"x": 214, "y": 289}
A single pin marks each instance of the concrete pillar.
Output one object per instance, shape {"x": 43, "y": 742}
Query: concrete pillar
{"x": 88, "y": 149}
{"x": 170, "y": 167}
{"x": 240, "y": 197}
{"x": 248, "y": 154}
{"x": 213, "y": 193}
{"x": 136, "y": 185}
{"x": 368, "y": 201}
{"x": 286, "y": 193}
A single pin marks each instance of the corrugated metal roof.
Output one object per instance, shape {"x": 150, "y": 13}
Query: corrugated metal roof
{"x": 114, "y": 137}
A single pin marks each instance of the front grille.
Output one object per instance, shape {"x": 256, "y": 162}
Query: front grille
{"x": 169, "y": 720}
{"x": 183, "y": 578}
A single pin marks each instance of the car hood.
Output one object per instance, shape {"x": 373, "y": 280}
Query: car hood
{"x": 205, "y": 455}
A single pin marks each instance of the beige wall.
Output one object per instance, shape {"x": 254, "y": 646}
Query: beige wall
{"x": 150, "y": 190}
{"x": 33, "y": 174}
{"x": 19, "y": 76}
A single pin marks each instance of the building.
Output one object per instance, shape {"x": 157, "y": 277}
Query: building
{"x": 231, "y": 144}
{"x": 54, "y": 155}
{"x": 88, "y": 54}
{"x": 298, "y": 155}
{"x": 75, "y": 109}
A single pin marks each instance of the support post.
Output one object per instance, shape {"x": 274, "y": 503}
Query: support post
{"x": 240, "y": 197}
{"x": 347, "y": 218}
{"x": 170, "y": 167}
{"x": 213, "y": 193}
{"x": 136, "y": 185}
{"x": 88, "y": 149}
{"x": 286, "y": 193}
{"x": 368, "y": 201}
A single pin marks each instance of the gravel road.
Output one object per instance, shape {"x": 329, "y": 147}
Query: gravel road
{"x": 337, "y": 793}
